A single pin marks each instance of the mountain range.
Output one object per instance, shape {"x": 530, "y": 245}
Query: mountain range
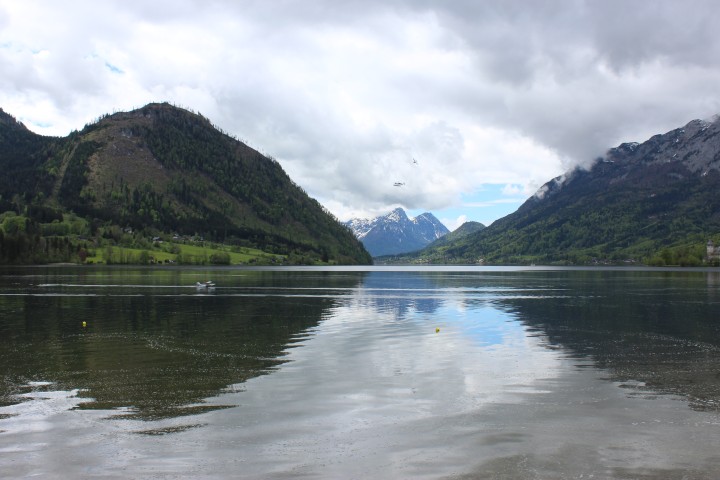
{"x": 163, "y": 169}
{"x": 396, "y": 233}
{"x": 655, "y": 202}
{"x": 167, "y": 172}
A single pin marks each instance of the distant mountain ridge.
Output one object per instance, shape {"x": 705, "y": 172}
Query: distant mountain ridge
{"x": 463, "y": 230}
{"x": 165, "y": 169}
{"x": 655, "y": 202}
{"x": 395, "y": 233}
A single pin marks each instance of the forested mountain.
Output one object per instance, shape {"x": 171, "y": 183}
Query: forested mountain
{"x": 396, "y": 233}
{"x": 463, "y": 230}
{"x": 163, "y": 169}
{"x": 656, "y": 202}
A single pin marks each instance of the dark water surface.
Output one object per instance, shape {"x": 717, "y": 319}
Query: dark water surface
{"x": 359, "y": 373}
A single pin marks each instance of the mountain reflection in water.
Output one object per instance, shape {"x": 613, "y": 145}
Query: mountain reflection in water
{"x": 151, "y": 346}
{"x": 360, "y": 372}
{"x": 659, "y": 328}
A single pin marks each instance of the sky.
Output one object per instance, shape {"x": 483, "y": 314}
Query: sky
{"x": 468, "y": 106}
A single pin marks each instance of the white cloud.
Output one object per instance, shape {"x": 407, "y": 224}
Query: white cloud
{"x": 512, "y": 189}
{"x": 453, "y": 223}
{"x": 491, "y": 203}
{"x": 346, "y": 94}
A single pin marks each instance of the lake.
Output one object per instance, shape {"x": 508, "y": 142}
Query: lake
{"x": 364, "y": 372}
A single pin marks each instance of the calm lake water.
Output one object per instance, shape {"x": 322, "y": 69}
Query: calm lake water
{"x": 359, "y": 373}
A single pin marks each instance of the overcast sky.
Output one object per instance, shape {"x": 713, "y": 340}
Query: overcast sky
{"x": 471, "y": 104}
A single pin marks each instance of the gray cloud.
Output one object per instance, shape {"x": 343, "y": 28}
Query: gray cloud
{"x": 346, "y": 94}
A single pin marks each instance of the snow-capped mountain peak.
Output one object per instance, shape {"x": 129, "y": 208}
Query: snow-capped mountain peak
{"x": 395, "y": 233}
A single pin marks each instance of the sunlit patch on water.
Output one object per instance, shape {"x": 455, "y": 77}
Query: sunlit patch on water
{"x": 36, "y": 407}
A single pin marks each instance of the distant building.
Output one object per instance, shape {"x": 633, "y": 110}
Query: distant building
{"x": 713, "y": 252}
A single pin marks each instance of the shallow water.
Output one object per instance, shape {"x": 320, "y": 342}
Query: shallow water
{"x": 360, "y": 373}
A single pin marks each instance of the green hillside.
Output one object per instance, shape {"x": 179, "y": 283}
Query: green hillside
{"x": 655, "y": 203}
{"x": 159, "y": 171}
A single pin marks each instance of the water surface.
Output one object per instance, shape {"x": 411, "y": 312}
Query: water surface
{"x": 359, "y": 373}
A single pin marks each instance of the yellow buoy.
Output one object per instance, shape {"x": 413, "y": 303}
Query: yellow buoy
{"x": 437, "y": 330}
{"x": 84, "y": 324}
